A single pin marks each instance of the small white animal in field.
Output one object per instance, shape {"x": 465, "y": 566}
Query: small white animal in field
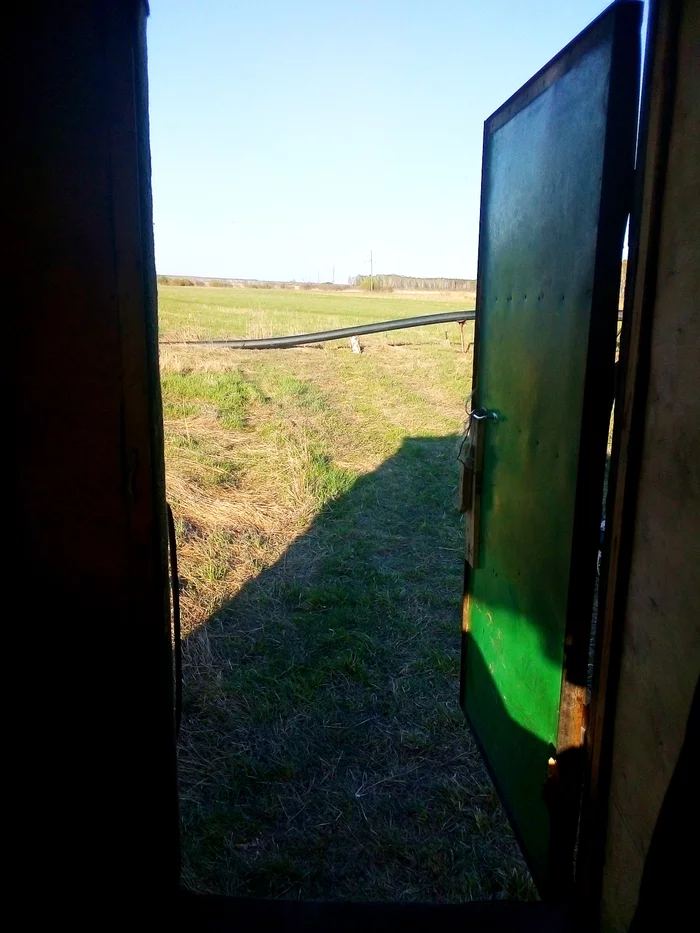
{"x": 355, "y": 344}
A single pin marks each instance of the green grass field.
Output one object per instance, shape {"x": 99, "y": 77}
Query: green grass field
{"x": 323, "y": 753}
{"x": 192, "y": 313}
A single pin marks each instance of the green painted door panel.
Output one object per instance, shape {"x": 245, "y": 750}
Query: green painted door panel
{"x": 556, "y": 176}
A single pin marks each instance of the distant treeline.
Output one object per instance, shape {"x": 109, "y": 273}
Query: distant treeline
{"x": 246, "y": 283}
{"x": 389, "y": 282}
{"x": 380, "y": 283}
{"x": 212, "y": 283}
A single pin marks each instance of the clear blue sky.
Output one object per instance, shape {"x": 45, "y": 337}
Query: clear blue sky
{"x": 291, "y": 137}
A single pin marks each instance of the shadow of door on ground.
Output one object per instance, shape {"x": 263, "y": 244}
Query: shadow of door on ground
{"x": 323, "y": 752}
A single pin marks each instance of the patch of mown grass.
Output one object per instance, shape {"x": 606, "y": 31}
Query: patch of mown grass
{"x": 229, "y": 393}
{"x": 216, "y": 557}
{"x": 325, "y": 480}
{"x": 177, "y": 408}
{"x": 304, "y": 393}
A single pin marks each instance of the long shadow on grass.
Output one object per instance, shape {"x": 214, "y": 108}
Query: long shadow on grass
{"x": 323, "y": 751}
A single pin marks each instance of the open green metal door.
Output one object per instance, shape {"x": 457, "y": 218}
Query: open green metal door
{"x": 557, "y": 168}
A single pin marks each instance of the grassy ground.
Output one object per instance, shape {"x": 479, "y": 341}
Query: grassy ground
{"x": 237, "y": 312}
{"x": 323, "y": 753}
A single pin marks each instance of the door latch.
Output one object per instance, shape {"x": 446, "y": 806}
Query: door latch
{"x": 484, "y": 414}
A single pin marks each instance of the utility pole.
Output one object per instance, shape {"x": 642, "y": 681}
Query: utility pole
{"x": 371, "y": 270}
{"x": 333, "y": 276}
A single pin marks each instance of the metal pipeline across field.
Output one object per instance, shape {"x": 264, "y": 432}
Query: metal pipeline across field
{"x": 298, "y": 340}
